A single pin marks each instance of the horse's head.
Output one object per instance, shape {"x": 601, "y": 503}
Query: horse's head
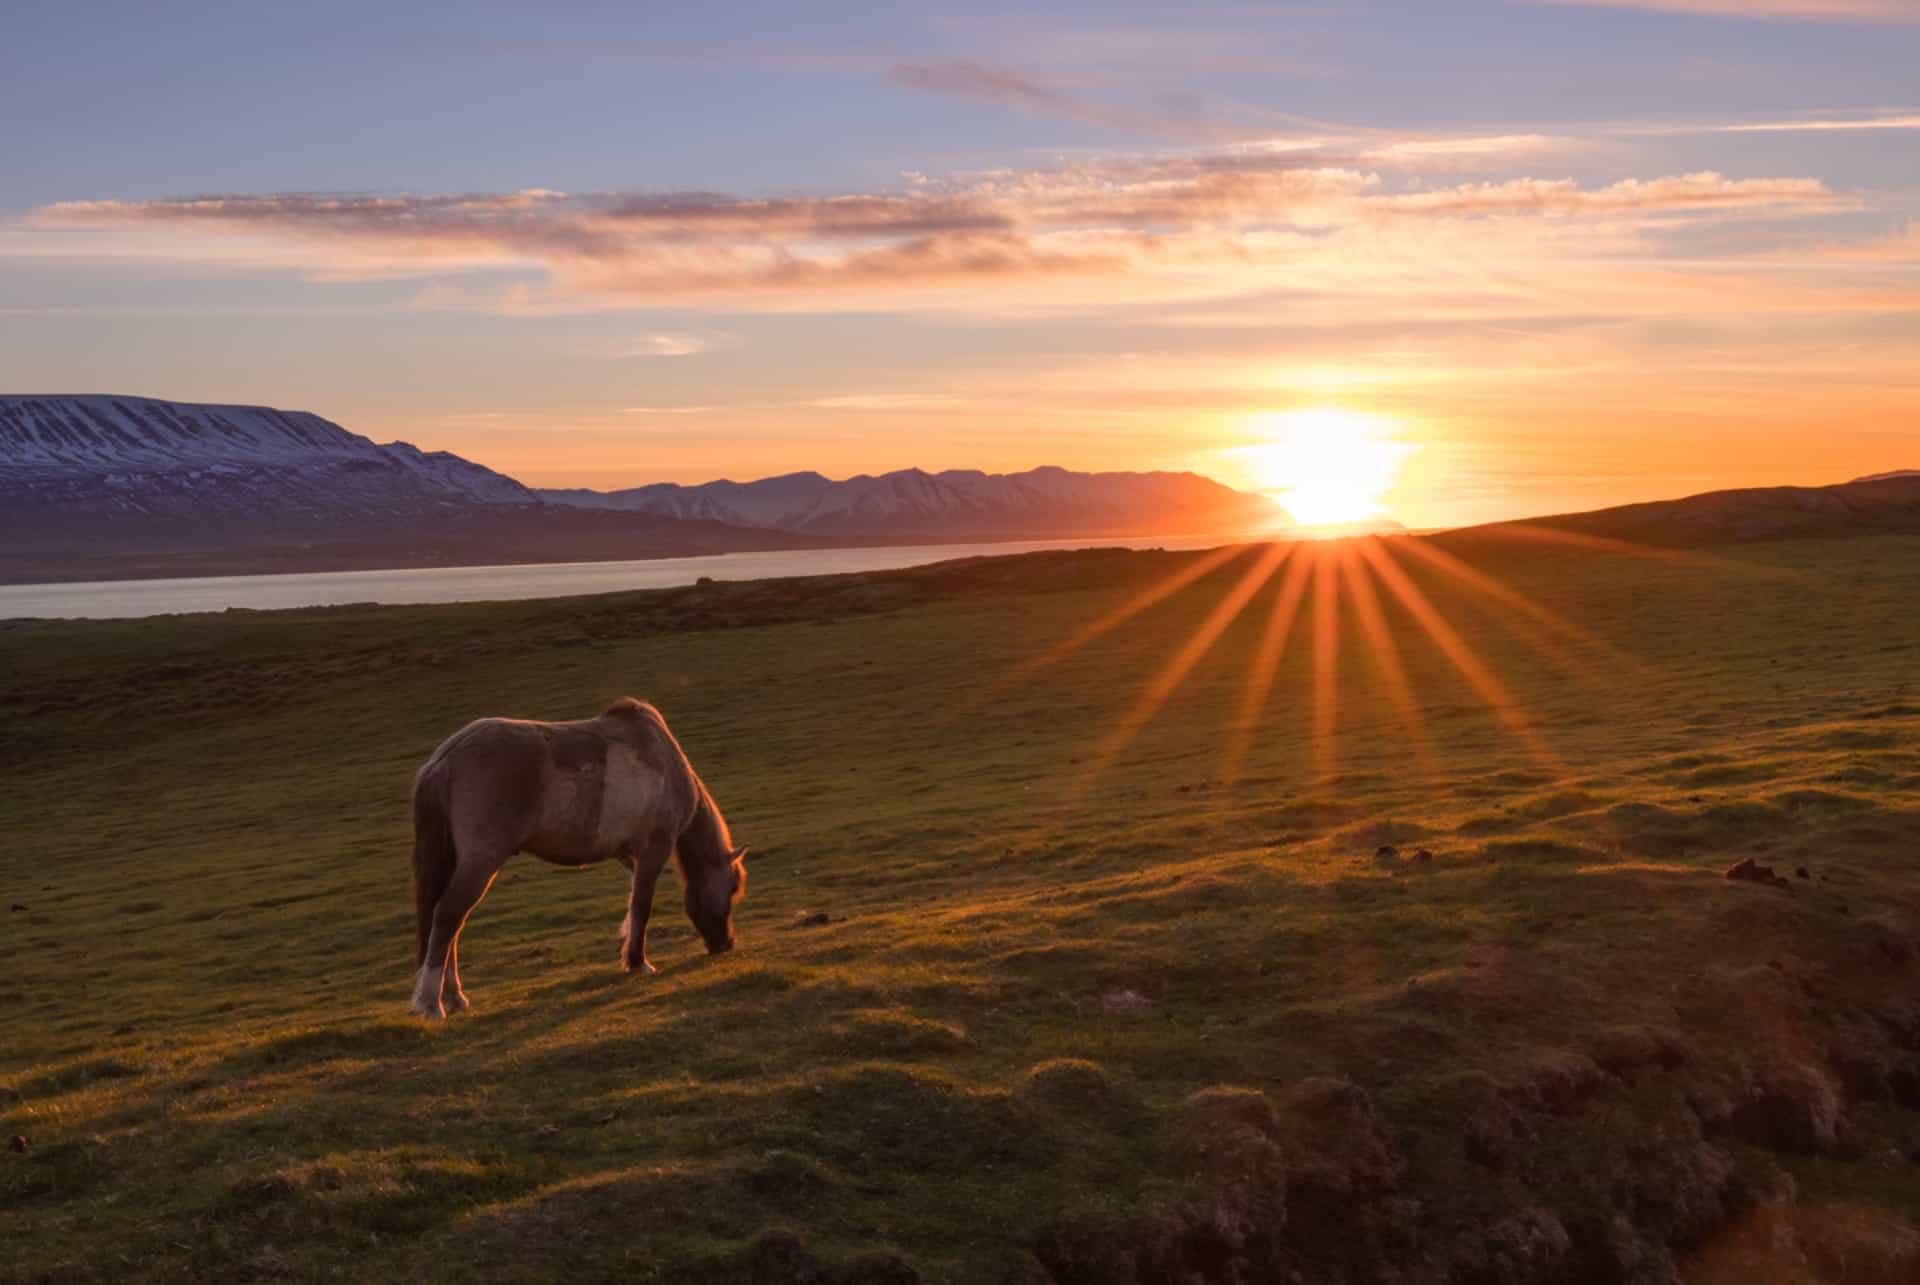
{"x": 711, "y": 893}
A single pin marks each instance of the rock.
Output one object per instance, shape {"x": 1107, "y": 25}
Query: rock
{"x": 17, "y": 908}
{"x": 1800, "y": 872}
{"x": 811, "y": 918}
{"x": 1386, "y": 853}
{"x": 1423, "y": 855}
{"x": 19, "y": 1143}
{"x": 1747, "y": 870}
{"x": 1122, "y": 1001}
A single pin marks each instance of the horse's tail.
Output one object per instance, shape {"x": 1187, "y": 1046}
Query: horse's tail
{"x": 433, "y": 854}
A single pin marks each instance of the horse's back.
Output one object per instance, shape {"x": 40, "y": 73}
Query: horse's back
{"x": 570, "y": 792}
{"x": 487, "y": 777}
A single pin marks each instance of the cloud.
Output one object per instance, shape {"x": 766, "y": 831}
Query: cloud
{"x": 1821, "y": 126}
{"x": 1678, "y": 194}
{"x": 1899, "y": 11}
{"x": 676, "y": 344}
{"x": 1808, "y": 125}
{"x": 1180, "y": 117}
{"x": 883, "y": 401}
{"x": 1132, "y": 226}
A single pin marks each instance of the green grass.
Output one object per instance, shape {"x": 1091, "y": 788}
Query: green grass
{"x": 204, "y": 998}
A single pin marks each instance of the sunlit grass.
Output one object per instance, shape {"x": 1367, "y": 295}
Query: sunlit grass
{"x": 204, "y": 993}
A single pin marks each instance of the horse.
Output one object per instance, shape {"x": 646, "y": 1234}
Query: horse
{"x": 617, "y": 786}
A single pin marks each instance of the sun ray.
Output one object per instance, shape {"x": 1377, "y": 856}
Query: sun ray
{"x": 1266, "y": 661}
{"x": 1539, "y": 534}
{"x": 1456, "y": 650}
{"x": 1326, "y": 664}
{"x": 1552, "y": 624}
{"x": 1386, "y": 653}
{"x": 1147, "y": 598}
{"x": 1170, "y": 675}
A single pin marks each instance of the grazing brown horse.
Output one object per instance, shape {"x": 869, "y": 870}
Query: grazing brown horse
{"x": 617, "y": 786}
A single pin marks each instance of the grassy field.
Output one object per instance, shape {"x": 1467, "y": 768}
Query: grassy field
{"x": 1107, "y": 989}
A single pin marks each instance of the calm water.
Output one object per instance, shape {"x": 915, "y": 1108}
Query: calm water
{"x": 105, "y": 599}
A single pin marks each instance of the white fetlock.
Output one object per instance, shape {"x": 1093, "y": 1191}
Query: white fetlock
{"x": 426, "y": 994}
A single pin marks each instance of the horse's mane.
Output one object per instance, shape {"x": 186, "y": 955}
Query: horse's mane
{"x": 706, "y": 842}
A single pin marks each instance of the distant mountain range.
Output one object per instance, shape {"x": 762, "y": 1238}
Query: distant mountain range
{"x": 97, "y": 486}
{"x": 960, "y": 503}
{"x": 103, "y": 487}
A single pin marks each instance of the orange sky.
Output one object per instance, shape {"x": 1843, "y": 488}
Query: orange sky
{"x": 1577, "y": 253}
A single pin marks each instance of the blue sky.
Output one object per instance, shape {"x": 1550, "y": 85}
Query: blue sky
{"x": 1449, "y": 217}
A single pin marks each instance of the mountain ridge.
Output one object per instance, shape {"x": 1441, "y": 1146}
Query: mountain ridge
{"x": 101, "y": 486}
{"x": 959, "y": 502}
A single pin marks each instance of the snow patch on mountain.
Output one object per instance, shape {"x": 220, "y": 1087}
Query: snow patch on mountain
{"x": 110, "y": 457}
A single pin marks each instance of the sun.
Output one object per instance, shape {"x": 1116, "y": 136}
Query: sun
{"x": 1326, "y": 465}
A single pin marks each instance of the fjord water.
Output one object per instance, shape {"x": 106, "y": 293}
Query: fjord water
{"x": 120, "y": 599}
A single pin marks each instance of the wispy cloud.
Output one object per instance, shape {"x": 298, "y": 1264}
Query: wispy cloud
{"x": 1801, "y": 10}
{"x": 1823, "y": 126}
{"x": 1183, "y": 118}
{"x": 675, "y": 343}
{"x": 1184, "y": 218}
{"x": 883, "y": 401}
{"x": 1802, "y": 125}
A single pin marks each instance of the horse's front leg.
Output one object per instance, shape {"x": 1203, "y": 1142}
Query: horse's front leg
{"x": 647, "y": 860}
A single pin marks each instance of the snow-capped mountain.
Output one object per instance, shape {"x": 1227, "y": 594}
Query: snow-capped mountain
{"x": 101, "y": 486}
{"x": 95, "y": 458}
{"x": 958, "y": 502}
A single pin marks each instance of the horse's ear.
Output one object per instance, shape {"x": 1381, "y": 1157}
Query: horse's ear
{"x": 739, "y": 853}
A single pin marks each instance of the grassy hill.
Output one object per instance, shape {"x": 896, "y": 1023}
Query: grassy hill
{"x": 1037, "y": 980}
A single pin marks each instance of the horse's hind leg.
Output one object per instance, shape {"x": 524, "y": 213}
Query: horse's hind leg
{"x": 471, "y": 879}
{"x": 451, "y": 995}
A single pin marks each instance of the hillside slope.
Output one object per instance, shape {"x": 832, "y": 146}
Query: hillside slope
{"x": 1885, "y": 502}
{"x": 1017, "y": 1001}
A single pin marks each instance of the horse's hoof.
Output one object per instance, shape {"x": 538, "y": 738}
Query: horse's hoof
{"x": 432, "y": 1014}
{"x": 458, "y": 1004}
{"x": 643, "y": 968}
